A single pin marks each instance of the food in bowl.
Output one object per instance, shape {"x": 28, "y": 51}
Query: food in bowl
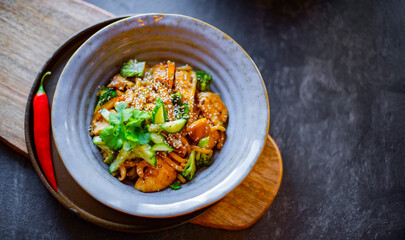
{"x": 183, "y": 40}
{"x": 156, "y": 125}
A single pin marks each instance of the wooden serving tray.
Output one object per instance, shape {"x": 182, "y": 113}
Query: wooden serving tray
{"x": 43, "y": 24}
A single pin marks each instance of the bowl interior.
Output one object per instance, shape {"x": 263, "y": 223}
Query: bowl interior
{"x": 153, "y": 38}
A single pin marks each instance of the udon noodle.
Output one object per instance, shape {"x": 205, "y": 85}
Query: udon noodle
{"x": 157, "y": 125}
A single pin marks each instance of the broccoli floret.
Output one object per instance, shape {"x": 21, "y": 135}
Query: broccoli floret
{"x": 203, "y": 81}
{"x": 105, "y": 94}
{"x": 99, "y": 143}
{"x": 176, "y": 98}
{"x": 190, "y": 167}
{"x": 201, "y": 158}
{"x": 181, "y": 111}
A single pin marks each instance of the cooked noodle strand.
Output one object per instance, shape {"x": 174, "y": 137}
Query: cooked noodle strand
{"x": 201, "y": 150}
{"x": 172, "y": 164}
{"x": 177, "y": 157}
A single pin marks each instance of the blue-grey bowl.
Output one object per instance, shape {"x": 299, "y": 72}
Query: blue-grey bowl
{"x": 156, "y": 37}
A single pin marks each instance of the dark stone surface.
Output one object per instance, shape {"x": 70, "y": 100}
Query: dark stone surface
{"x": 334, "y": 71}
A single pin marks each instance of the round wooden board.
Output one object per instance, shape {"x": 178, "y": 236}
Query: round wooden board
{"x": 247, "y": 203}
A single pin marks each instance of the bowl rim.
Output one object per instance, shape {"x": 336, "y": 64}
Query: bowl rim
{"x": 218, "y": 196}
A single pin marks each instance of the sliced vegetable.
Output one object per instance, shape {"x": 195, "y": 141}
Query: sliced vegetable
{"x": 157, "y": 138}
{"x": 174, "y": 126}
{"x": 153, "y": 128}
{"x": 190, "y": 167}
{"x": 121, "y": 157}
{"x": 99, "y": 143}
{"x": 204, "y": 81}
{"x": 204, "y": 142}
{"x": 133, "y": 68}
{"x": 159, "y": 113}
{"x": 161, "y": 147}
{"x": 145, "y": 152}
{"x": 159, "y": 116}
{"x": 105, "y": 113}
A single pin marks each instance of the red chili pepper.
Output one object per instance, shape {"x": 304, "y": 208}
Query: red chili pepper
{"x": 41, "y": 132}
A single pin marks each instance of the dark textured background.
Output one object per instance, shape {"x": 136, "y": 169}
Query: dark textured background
{"x": 334, "y": 71}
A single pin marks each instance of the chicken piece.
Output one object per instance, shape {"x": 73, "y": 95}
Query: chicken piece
{"x": 109, "y": 105}
{"x": 198, "y": 129}
{"x": 212, "y": 108}
{"x": 164, "y": 73}
{"x": 221, "y": 140}
{"x": 185, "y": 82}
{"x": 214, "y": 137}
{"x": 139, "y": 98}
{"x": 156, "y": 178}
{"x": 174, "y": 140}
{"x": 99, "y": 125}
{"x": 120, "y": 83}
{"x": 184, "y": 85}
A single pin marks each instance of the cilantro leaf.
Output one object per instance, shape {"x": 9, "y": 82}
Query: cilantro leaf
{"x": 121, "y": 106}
{"x": 122, "y": 114}
{"x": 126, "y": 114}
{"x": 144, "y": 138}
{"x": 143, "y": 115}
{"x": 127, "y": 146}
{"x": 115, "y": 118}
{"x": 111, "y": 138}
{"x": 126, "y": 129}
{"x": 134, "y": 123}
{"x": 133, "y": 138}
{"x": 175, "y": 186}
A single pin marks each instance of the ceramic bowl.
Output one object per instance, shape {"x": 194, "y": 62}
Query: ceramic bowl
{"x": 156, "y": 37}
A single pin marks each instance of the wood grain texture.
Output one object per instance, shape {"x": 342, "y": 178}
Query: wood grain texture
{"x": 30, "y": 32}
{"x": 250, "y": 200}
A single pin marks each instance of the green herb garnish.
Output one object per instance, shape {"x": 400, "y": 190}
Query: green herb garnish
{"x": 127, "y": 126}
{"x": 175, "y": 186}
